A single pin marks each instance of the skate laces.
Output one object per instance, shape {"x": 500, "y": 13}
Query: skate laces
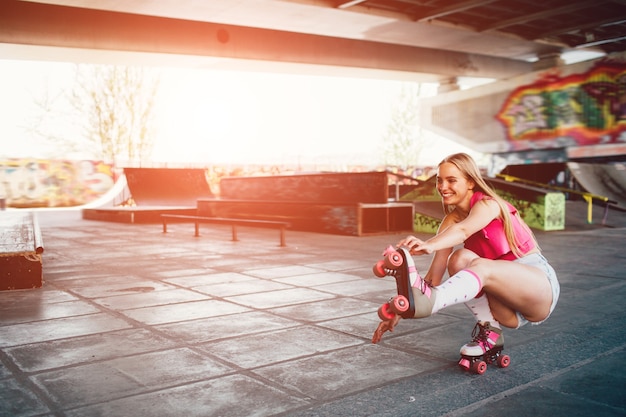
{"x": 478, "y": 333}
{"x": 415, "y": 279}
{"x": 484, "y": 336}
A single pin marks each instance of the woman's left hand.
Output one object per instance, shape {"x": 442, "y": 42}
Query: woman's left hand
{"x": 385, "y": 326}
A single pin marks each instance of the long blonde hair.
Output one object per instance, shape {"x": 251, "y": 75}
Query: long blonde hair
{"x": 470, "y": 171}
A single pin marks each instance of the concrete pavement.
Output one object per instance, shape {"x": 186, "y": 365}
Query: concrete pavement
{"x": 134, "y": 322}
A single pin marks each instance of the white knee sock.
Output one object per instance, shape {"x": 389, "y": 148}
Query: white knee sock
{"x": 479, "y": 307}
{"x": 459, "y": 288}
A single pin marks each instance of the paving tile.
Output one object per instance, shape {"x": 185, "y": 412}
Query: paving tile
{"x": 36, "y": 357}
{"x": 28, "y": 312}
{"x": 225, "y": 326}
{"x": 338, "y": 373}
{"x": 17, "y": 401}
{"x": 114, "y": 285}
{"x": 426, "y": 336}
{"x": 221, "y": 261}
{"x": 207, "y": 279}
{"x": 147, "y": 251}
{"x": 10, "y": 300}
{"x": 183, "y": 272}
{"x": 362, "y": 286}
{"x": 4, "y": 371}
{"x": 91, "y": 273}
{"x": 361, "y": 325}
{"x": 237, "y": 264}
{"x": 281, "y": 272}
{"x": 231, "y": 396}
{"x": 320, "y": 278}
{"x": 337, "y": 265}
{"x": 148, "y": 299}
{"x": 59, "y": 269}
{"x": 279, "y": 346}
{"x": 327, "y": 309}
{"x": 250, "y": 286}
{"x": 183, "y": 311}
{"x": 279, "y": 298}
{"x": 40, "y": 331}
{"x": 594, "y": 382}
{"x": 104, "y": 381}
{"x": 535, "y": 402}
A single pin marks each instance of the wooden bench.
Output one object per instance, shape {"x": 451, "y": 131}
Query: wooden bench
{"x": 21, "y": 249}
{"x": 179, "y": 218}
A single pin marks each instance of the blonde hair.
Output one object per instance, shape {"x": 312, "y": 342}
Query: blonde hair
{"x": 470, "y": 171}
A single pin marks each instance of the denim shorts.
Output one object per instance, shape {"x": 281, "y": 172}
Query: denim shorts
{"x": 539, "y": 261}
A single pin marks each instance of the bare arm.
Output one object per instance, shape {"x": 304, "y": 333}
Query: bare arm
{"x": 439, "y": 263}
{"x": 438, "y": 267}
{"x": 479, "y": 216}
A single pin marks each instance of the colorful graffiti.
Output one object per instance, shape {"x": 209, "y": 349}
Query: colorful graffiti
{"x": 50, "y": 183}
{"x": 580, "y": 109}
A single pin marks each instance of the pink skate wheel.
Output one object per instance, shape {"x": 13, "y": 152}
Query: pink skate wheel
{"x": 393, "y": 260}
{"x": 384, "y": 313}
{"x": 503, "y": 361}
{"x": 399, "y": 304}
{"x": 379, "y": 269}
{"x": 479, "y": 367}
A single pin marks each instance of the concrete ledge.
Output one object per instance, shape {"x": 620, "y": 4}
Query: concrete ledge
{"x": 21, "y": 249}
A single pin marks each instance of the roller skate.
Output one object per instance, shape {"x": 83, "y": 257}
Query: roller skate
{"x": 399, "y": 264}
{"x": 485, "y": 348}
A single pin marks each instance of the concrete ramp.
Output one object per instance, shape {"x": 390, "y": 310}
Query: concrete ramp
{"x": 167, "y": 186}
{"x": 155, "y": 191}
{"x": 117, "y": 195}
{"x": 608, "y": 180}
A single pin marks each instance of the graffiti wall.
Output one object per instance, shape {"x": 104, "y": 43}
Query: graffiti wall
{"x": 52, "y": 183}
{"x": 576, "y": 110}
{"x": 575, "y": 106}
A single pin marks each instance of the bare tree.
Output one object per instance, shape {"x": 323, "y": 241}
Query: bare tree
{"x": 116, "y": 106}
{"x": 404, "y": 140}
{"x": 51, "y": 124}
{"x": 106, "y": 114}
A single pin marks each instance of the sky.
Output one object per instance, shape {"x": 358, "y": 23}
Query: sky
{"x": 229, "y": 117}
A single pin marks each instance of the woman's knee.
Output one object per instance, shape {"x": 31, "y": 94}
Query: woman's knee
{"x": 460, "y": 259}
{"x": 482, "y": 267}
{"x": 505, "y": 315}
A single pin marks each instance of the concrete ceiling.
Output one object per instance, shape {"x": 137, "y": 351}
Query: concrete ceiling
{"x": 425, "y": 40}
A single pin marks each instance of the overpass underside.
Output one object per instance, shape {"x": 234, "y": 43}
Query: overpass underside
{"x": 29, "y": 30}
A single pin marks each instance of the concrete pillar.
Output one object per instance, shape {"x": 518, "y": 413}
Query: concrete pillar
{"x": 449, "y": 84}
{"x": 547, "y": 61}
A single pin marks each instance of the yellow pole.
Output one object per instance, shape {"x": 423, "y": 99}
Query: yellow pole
{"x": 589, "y": 200}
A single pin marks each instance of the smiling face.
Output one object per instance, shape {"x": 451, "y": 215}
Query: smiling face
{"x": 455, "y": 189}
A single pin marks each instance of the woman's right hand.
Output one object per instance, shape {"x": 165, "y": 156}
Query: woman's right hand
{"x": 416, "y": 246}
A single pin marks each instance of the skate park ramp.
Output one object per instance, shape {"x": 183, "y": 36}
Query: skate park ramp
{"x": 117, "y": 195}
{"x": 155, "y": 191}
{"x": 167, "y": 186}
{"x": 607, "y": 180}
{"x": 541, "y": 173}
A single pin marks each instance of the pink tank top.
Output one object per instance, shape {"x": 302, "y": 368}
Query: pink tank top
{"x": 491, "y": 243}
